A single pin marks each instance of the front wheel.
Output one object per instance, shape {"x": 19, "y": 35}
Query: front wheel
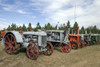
{"x": 74, "y": 45}
{"x": 32, "y": 51}
{"x": 65, "y": 48}
{"x": 49, "y": 50}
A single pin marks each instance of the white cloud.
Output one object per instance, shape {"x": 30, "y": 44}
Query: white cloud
{"x": 21, "y": 12}
{"x": 62, "y": 10}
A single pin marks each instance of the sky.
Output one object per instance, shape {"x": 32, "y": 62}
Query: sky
{"x": 85, "y": 12}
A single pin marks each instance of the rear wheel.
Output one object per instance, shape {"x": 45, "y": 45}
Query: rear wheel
{"x": 49, "y": 50}
{"x": 11, "y": 46}
{"x": 74, "y": 45}
{"x": 32, "y": 51}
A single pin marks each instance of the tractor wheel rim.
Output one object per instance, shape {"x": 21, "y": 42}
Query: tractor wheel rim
{"x": 65, "y": 48}
{"x": 10, "y": 44}
{"x": 32, "y": 51}
{"x": 74, "y": 46}
{"x": 49, "y": 50}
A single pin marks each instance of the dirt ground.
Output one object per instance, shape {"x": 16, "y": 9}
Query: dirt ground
{"x": 83, "y": 57}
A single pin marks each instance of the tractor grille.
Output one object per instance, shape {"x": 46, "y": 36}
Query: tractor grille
{"x": 44, "y": 40}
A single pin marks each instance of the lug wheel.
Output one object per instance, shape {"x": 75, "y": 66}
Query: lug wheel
{"x": 32, "y": 51}
{"x": 87, "y": 43}
{"x": 84, "y": 43}
{"x": 49, "y": 50}
{"x": 10, "y": 44}
{"x": 65, "y": 48}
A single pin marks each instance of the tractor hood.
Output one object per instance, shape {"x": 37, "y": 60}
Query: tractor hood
{"x": 40, "y": 33}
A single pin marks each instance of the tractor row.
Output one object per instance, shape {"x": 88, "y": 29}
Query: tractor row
{"x": 44, "y": 41}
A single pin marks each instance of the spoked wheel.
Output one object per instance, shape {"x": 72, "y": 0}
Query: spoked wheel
{"x": 32, "y": 51}
{"x": 74, "y": 45}
{"x": 84, "y": 43}
{"x": 49, "y": 50}
{"x": 65, "y": 48}
{"x": 10, "y": 44}
{"x": 87, "y": 43}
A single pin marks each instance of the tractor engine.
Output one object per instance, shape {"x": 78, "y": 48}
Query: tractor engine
{"x": 35, "y": 37}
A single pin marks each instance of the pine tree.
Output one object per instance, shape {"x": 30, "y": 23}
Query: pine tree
{"x": 13, "y": 26}
{"x": 38, "y": 26}
{"x": 9, "y": 28}
{"x": 75, "y": 27}
{"x": 82, "y": 31}
{"x": 24, "y": 27}
{"x": 29, "y": 27}
{"x": 48, "y": 26}
{"x": 68, "y": 24}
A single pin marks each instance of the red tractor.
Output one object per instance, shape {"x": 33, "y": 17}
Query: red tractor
{"x": 75, "y": 40}
{"x": 2, "y": 33}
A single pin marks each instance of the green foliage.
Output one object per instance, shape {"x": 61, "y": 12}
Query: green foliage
{"x": 29, "y": 26}
{"x": 37, "y": 27}
{"x": 48, "y": 26}
{"x": 9, "y": 28}
{"x": 75, "y": 27}
{"x": 82, "y": 30}
{"x": 24, "y": 27}
{"x": 68, "y": 24}
{"x": 13, "y": 27}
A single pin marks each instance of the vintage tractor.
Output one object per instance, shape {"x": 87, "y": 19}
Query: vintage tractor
{"x": 94, "y": 39}
{"x": 98, "y": 36}
{"x": 2, "y": 33}
{"x": 34, "y": 42}
{"x": 85, "y": 38}
{"x": 59, "y": 38}
{"x": 75, "y": 40}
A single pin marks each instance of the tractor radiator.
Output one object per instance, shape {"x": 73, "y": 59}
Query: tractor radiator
{"x": 44, "y": 40}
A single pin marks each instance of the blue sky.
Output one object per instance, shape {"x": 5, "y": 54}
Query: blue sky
{"x": 44, "y": 11}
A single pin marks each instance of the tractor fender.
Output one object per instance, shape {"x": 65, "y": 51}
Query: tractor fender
{"x": 17, "y": 35}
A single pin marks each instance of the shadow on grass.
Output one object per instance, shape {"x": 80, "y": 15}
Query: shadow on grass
{"x": 58, "y": 48}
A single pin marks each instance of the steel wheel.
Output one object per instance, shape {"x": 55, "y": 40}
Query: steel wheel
{"x": 80, "y": 44}
{"x": 84, "y": 43}
{"x": 87, "y": 42}
{"x": 49, "y": 50}
{"x": 65, "y": 48}
{"x": 10, "y": 44}
{"x": 32, "y": 51}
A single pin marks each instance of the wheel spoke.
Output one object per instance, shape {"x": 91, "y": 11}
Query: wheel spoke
{"x": 7, "y": 47}
{"x": 11, "y": 38}
{"x": 7, "y": 43}
{"x": 8, "y": 39}
{"x": 65, "y": 48}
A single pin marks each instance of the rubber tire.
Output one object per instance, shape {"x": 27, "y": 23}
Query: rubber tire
{"x": 74, "y": 43}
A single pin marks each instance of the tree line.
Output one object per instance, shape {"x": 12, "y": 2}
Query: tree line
{"x": 48, "y": 26}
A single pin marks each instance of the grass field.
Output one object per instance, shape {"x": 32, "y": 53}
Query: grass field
{"x": 84, "y": 57}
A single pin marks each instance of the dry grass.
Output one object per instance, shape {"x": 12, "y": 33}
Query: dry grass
{"x": 84, "y": 57}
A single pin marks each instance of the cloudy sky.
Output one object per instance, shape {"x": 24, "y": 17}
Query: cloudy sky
{"x": 44, "y": 11}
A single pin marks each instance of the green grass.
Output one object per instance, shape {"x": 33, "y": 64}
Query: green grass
{"x": 83, "y": 57}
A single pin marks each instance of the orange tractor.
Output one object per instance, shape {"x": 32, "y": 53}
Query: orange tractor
{"x": 2, "y": 33}
{"x": 75, "y": 40}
